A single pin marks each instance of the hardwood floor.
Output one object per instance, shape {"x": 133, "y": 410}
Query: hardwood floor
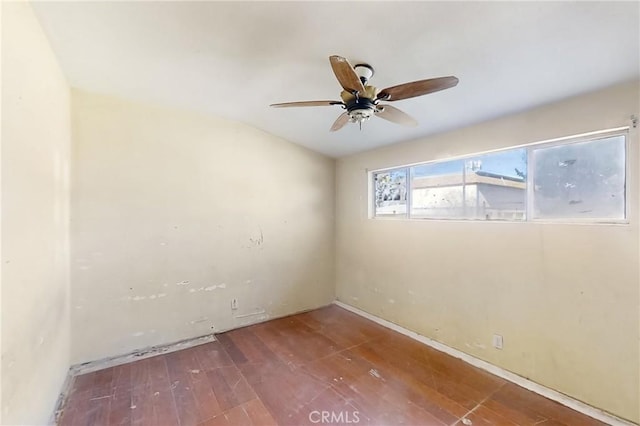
{"x": 328, "y": 366}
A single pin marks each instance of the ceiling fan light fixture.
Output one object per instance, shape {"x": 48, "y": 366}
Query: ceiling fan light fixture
{"x": 360, "y": 115}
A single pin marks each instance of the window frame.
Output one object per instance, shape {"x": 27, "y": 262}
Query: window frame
{"x": 372, "y": 189}
{"x": 529, "y": 195}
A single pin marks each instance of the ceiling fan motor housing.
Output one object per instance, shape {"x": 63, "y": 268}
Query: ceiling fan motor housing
{"x": 361, "y": 107}
{"x": 361, "y": 110}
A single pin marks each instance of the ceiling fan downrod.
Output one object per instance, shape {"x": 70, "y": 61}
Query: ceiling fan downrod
{"x": 364, "y": 72}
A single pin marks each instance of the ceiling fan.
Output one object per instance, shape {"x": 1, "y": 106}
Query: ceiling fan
{"x": 362, "y": 101}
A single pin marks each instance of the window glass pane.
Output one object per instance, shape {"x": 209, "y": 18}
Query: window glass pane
{"x": 580, "y": 180}
{"x": 489, "y": 187}
{"x": 391, "y": 193}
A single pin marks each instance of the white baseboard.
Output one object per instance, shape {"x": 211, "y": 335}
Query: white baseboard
{"x": 500, "y": 372}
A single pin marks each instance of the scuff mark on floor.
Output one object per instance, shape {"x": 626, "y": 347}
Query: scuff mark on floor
{"x": 100, "y": 397}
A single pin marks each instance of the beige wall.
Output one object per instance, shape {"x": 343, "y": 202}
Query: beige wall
{"x": 174, "y": 214}
{"x": 565, "y": 297}
{"x": 35, "y": 202}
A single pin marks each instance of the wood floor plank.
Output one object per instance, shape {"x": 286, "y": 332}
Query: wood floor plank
{"x": 139, "y": 373}
{"x": 329, "y": 364}
{"x": 76, "y": 409}
{"x": 483, "y": 416}
{"x": 219, "y": 420}
{"x": 179, "y": 366}
{"x": 157, "y": 371}
{"x": 237, "y": 356}
{"x": 237, "y": 416}
{"x": 287, "y": 393}
{"x": 194, "y": 397}
{"x": 164, "y": 407}
{"x": 229, "y": 387}
{"x": 258, "y": 413}
{"x": 330, "y": 321}
{"x": 341, "y": 366}
{"x": 120, "y": 410}
{"x": 208, "y": 405}
{"x": 250, "y": 348}
{"x": 526, "y": 406}
{"x": 295, "y": 342}
{"x": 212, "y": 355}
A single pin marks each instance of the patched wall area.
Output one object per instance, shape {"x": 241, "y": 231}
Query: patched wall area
{"x": 175, "y": 215}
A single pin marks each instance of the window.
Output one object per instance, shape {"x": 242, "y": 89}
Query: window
{"x": 490, "y": 186}
{"x": 391, "y": 193}
{"x": 580, "y": 180}
{"x": 573, "y": 179}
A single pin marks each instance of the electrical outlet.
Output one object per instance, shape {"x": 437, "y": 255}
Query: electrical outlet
{"x": 497, "y": 341}
{"x": 234, "y": 303}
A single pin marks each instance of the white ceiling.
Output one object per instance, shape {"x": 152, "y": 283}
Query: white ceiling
{"x": 233, "y": 59}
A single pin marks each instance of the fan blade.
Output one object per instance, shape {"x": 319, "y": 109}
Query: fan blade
{"x": 340, "y": 122}
{"x": 345, "y": 74}
{"x": 306, "y": 104}
{"x": 395, "y": 116}
{"x": 417, "y": 88}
